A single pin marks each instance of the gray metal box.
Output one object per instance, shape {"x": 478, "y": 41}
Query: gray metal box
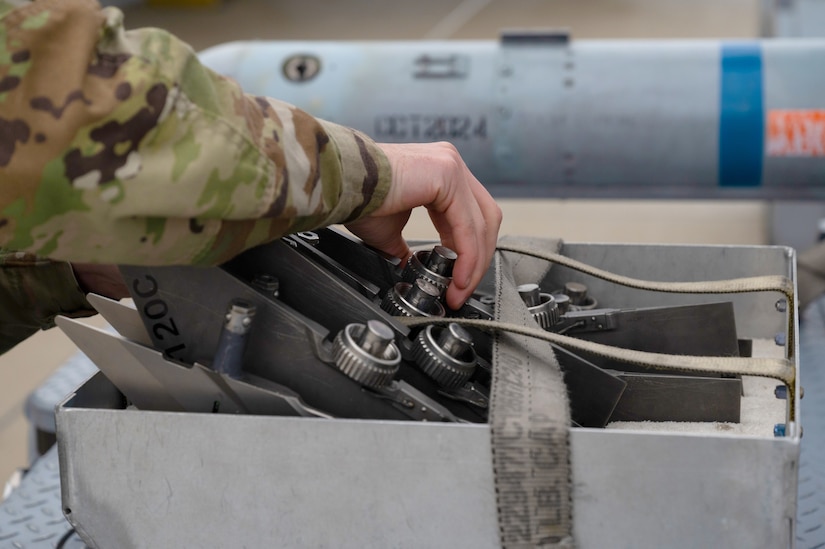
{"x": 148, "y": 479}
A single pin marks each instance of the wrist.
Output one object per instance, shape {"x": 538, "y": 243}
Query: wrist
{"x": 104, "y": 280}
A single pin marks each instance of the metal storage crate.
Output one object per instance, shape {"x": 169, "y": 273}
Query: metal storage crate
{"x": 142, "y": 479}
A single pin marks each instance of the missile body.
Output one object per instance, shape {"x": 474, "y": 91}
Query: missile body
{"x": 540, "y": 115}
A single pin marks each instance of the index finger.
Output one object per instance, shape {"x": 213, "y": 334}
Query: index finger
{"x": 470, "y": 226}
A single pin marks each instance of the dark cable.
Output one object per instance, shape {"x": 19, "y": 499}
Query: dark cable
{"x": 62, "y": 542}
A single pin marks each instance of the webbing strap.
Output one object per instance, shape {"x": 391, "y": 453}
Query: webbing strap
{"x": 529, "y": 420}
{"x": 774, "y": 368}
{"x": 771, "y": 283}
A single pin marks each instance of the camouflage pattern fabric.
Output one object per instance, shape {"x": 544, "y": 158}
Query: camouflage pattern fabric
{"x": 120, "y": 147}
{"x": 32, "y": 292}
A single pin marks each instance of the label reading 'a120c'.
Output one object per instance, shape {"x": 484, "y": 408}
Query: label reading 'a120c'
{"x": 799, "y": 133}
{"x": 425, "y": 127}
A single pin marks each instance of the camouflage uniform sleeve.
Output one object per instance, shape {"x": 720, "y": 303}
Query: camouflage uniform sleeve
{"x": 120, "y": 147}
{"x": 32, "y": 292}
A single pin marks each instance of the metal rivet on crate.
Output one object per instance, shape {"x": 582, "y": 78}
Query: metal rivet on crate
{"x": 310, "y": 237}
{"x": 367, "y": 353}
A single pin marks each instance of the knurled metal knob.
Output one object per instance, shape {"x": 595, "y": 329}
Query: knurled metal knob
{"x": 421, "y": 298}
{"x": 436, "y": 267}
{"x": 563, "y": 302}
{"x": 579, "y": 300}
{"x": 577, "y": 292}
{"x": 367, "y": 353}
{"x": 542, "y": 306}
{"x": 446, "y": 354}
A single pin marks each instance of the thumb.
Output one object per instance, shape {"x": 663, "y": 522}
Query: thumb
{"x": 397, "y": 247}
{"x": 373, "y": 233}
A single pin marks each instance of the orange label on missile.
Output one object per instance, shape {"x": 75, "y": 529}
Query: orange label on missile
{"x": 796, "y": 133}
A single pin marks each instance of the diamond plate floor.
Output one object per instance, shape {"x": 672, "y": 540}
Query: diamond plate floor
{"x": 810, "y": 529}
{"x": 31, "y": 517}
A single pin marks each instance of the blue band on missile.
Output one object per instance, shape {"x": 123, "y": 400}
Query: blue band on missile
{"x": 741, "y": 116}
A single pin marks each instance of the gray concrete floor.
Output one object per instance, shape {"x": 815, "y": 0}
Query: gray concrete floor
{"x": 454, "y": 19}
{"x": 25, "y": 367}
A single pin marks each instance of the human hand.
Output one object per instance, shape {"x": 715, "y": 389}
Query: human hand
{"x": 104, "y": 280}
{"x": 466, "y": 217}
